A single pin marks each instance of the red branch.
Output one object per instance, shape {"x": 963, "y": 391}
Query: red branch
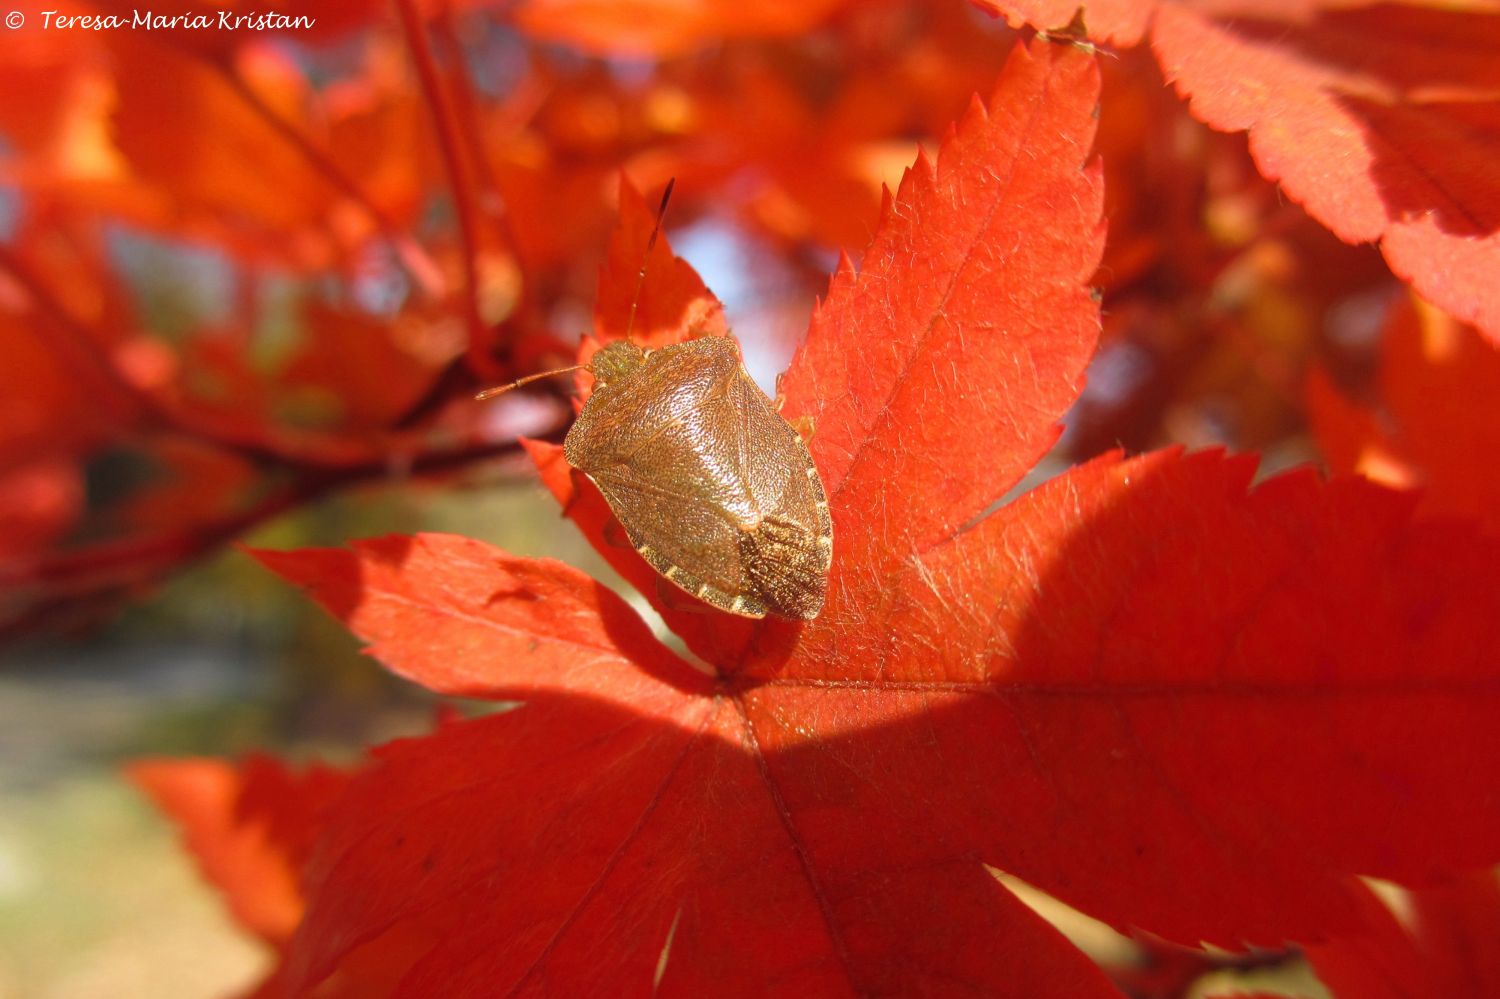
{"x": 465, "y": 205}
{"x": 47, "y": 585}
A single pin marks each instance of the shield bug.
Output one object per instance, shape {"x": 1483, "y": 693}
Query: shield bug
{"x": 714, "y": 488}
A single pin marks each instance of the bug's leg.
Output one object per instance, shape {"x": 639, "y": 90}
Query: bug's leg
{"x": 698, "y": 329}
{"x": 574, "y": 476}
{"x": 615, "y": 536}
{"x": 673, "y": 599}
{"x": 802, "y": 424}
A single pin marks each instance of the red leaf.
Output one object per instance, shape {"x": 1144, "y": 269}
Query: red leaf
{"x": 634, "y": 847}
{"x": 1186, "y": 670}
{"x": 666, "y": 304}
{"x": 974, "y": 290}
{"x": 359, "y": 368}
{"x": 251, "y": 828}
{"x": 554, "y": 627}
{"x": 1427, "y": 427}
{"x": 1383, "y": 121}
{"x": 1171, "y": 702}
{"x": 1443, "y": 944}
{"x": 182, "y": 128}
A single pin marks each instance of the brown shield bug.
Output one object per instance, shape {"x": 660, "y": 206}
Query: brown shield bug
{"x": 715, "y": 489}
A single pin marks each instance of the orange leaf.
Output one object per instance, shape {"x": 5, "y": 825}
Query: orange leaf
{"x": 1383, "y": 121}
{"x": 1437, "y": 382}
{"x": 665, "y": 28}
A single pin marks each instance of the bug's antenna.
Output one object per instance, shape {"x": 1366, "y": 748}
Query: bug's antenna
{"x": 640, "y": 279}
{"x": 490, "y": 393}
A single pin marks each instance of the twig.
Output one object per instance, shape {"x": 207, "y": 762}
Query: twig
{"x": 108, "y": 565}
{"x": 464, "y": 103}
{"x": 458, "y": 181}
{"x": 466, "y": 116}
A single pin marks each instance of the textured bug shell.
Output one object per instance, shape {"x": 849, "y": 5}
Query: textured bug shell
{"x": 715, "y": 490}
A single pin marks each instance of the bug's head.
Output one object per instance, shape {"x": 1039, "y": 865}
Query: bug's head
{"x": 616, "y": 360}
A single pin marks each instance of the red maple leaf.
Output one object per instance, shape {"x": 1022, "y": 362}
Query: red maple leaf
{"x": 1383, "y": 121}
{"x": 1172, "y": 701}
{"x": 251, "y": 828}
